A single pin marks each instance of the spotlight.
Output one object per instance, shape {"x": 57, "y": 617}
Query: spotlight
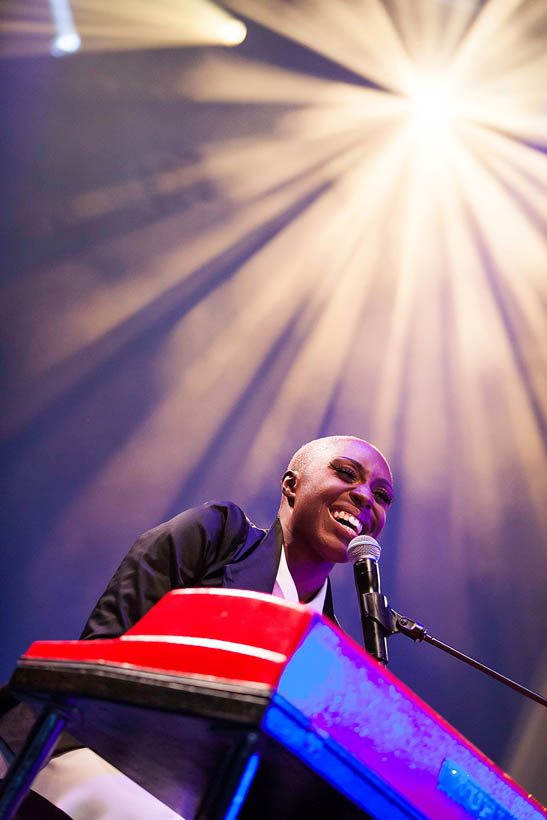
{"x": 66, "y": 43}
{"x": 68, "y": 40}
{"x": 432, "y": 102}
{"x": 233, "y": 32}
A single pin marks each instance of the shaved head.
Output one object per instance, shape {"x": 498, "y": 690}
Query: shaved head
{"x": 320, "y": 446}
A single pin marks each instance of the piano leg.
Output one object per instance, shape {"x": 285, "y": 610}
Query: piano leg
{"x": 36, "y": 752}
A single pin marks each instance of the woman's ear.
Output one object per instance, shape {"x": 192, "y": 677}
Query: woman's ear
{"x": 288, "y": 486}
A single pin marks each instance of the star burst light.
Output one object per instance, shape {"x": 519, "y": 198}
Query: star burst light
{"x": 395, "y": 291}
{"x": 433, "y": 102}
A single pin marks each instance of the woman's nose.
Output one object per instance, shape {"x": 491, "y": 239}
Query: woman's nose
{"x": 362, "y": 496}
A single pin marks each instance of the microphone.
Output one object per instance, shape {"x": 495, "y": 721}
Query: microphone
{"x": 380, "y": 621}
{"x": 365, "y": 551}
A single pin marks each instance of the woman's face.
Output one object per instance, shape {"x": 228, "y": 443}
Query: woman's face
{"x": 344, "y": 490}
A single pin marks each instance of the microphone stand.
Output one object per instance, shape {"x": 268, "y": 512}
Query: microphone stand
{"x": 374, "y": 606}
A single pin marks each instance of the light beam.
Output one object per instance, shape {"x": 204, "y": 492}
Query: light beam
{"x": 100, "y": 25}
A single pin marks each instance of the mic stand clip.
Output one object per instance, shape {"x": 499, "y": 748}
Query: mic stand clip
{"x": 376, "y": 607}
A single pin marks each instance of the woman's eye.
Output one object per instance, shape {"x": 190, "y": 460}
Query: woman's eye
{"x": 383, "y": 495}
{"x": 346, "y": 471}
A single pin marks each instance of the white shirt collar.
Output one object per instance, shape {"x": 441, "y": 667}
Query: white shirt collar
{"x": 285, "y": 587}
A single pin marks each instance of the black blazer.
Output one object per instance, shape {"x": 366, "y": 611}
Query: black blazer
{"x": 213, "y": 545}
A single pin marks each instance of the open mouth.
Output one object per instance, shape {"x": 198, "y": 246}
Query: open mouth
{"x": 347, "y": 520}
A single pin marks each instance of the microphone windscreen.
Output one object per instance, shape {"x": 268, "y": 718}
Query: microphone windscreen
{"x": 363, "y": 546}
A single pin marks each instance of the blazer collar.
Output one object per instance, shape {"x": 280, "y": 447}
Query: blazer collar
{"x": 258, "y": 570}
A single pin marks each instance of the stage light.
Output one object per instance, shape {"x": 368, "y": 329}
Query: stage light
{"x": 433, "y": 102}
{"x": 391, "y": 215}
{"x": 66, "y": 43}
{"x": 61, "y": 27}
{"x": 233, "y": 32}
{"x": 67, "y": 40}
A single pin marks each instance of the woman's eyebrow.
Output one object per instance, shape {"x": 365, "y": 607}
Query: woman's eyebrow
{"x": 356, "y": 463}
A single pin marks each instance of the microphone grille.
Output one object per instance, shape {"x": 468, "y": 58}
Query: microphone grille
{"x": 363, "y": 546}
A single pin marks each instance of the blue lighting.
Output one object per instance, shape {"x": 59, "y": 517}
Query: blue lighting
{"x": 335, "y": 765}
{"x": 67, "y": 40}
{"x": 243, "y": 787}
{"x": 66, "y": 43}
{"x": 460, "y": 786}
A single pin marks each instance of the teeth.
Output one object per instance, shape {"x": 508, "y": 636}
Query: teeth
{"x": 341, "y": 515}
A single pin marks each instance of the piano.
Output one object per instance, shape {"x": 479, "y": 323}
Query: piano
{"x": 233, "y": 703}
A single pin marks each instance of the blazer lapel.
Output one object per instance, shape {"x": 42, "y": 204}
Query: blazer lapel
{"x": 258, "y": 570}
{"x": 328, "y": 606}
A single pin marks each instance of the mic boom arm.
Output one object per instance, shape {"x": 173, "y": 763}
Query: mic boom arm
{"x": 375, "y": 606}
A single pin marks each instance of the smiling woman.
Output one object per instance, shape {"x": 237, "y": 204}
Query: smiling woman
{"x": 214, "y": 255}
{"x": 333, "y": 488}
